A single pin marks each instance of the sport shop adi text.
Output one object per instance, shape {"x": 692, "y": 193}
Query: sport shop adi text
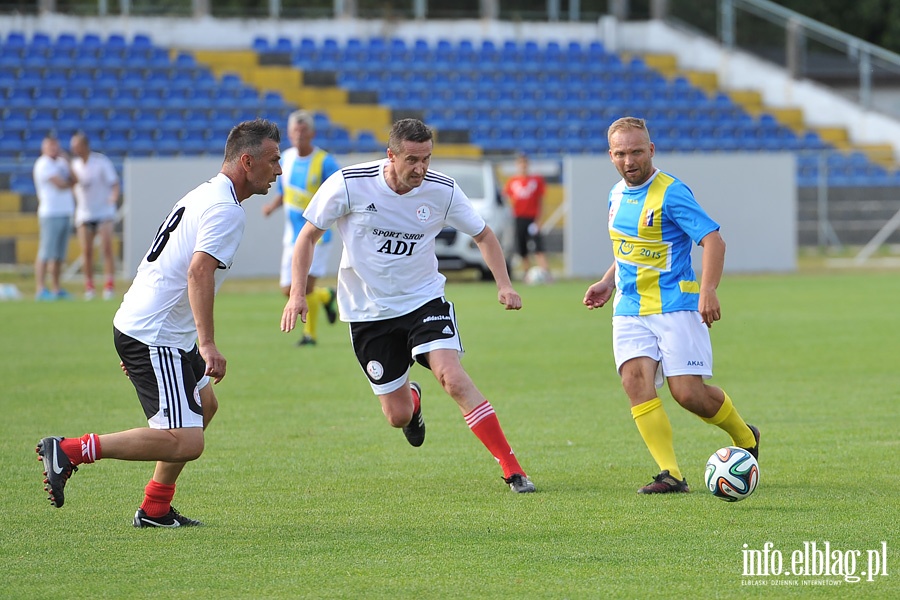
{"x": 395, "y": 243}
{"x": 814, "y": 559}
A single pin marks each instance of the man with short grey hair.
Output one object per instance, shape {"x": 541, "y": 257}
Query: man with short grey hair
{"x": 304, "y": 168}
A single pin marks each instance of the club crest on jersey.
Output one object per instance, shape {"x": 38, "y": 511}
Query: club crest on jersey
{"x": 649, "y": 220}
{"x": 375, "y": 370}
{"x": 423, "y": 213}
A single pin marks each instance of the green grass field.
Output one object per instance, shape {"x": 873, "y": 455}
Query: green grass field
{"x": 308, "y": 493}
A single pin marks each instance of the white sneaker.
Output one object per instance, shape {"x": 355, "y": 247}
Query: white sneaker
{"x": 89, "y": 294}
{"x": 108, "y": 293}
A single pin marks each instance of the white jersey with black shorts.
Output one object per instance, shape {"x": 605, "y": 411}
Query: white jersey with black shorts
{"x": 388, "y": 279}
{"x": 155, "y": 333}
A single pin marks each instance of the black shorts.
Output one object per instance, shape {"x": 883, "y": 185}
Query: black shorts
{"x": 386, "y": 349}
{"x": 165, "y": 380}
{"x": 91, "y": 225}
{"x": 524, "y": 237}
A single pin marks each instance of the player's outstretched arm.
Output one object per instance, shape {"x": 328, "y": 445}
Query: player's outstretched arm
{"x": 599, "y": 293}
{"x": 300, "y": 263}
{"x": 492, "y": 252}
{"x": 275, "y": 204}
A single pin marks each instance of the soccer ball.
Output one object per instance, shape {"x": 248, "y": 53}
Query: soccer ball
{"x": 536, "y": 276}
{"x": 732, "y": 474}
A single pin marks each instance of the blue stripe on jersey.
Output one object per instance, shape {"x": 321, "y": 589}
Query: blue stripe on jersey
{"x": 653, "y": 228}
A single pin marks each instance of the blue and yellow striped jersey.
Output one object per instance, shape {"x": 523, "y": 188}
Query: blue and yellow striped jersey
{"x": 299, "y": 181}
{"x": 653, "y": 228}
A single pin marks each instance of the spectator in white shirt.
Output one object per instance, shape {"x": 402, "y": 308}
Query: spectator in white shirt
{"x": 53, "y": 183}
{"x": 96, "y": 196}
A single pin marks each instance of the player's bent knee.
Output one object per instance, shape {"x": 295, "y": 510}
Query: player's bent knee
{"x": 455, "y": 382}
{"x": 189, "y": 444}
{"x": 694, "y": 402}
{"x": 633, "y": 389}
{"x": 399, "y": 417}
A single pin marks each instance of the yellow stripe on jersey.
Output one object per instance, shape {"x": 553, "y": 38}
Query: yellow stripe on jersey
{"x": 299, "y": 198}
{"x": 689, "y": 287}
{"x": 641, "y": 253}
{"x": 650, "y": 229}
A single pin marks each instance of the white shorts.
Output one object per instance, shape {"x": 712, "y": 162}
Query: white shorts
{"x": 318, "y": 267}
{"x": 678, "y": 341}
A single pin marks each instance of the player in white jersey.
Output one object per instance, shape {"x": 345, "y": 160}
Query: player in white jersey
{"x": 96, "y": 196}
{"x": 389, "y": 213}
{"x": 164, "y": 331}
{"x": 53, "y": 183}
{"x": 661, "y": 313}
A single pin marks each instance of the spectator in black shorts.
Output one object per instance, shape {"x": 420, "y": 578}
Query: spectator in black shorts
{"x": 526, "y": 194}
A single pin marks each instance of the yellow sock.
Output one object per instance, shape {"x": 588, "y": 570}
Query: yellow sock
{"x": 315, "y": 301}
{"x": 653, "y": 424}
{"x": 731, "y": 422}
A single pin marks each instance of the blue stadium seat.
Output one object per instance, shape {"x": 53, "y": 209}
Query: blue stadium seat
{"x": 141, "y": 40}
{"x": 11, "y": 139}
{"x": 22, "y": 183}
{"x": 141, "y": 147}
{"x": 168, "y": 143}
{"x": 272, "y": 101}
{"x": 194, "y": 146}
{"x": 15, "y": 39}
{"x": 283, "y": 44}
{"x": 41, "y": 40}
{"x": 367, "y": 142}
{"x": 66, "y": 42}
{"x": 18, "y": 98}
{"x": 112, "y": 141}
{"x": 90, "y": 45}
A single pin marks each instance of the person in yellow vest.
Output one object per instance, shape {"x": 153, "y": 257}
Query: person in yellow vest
{"x": 304, "y": 167}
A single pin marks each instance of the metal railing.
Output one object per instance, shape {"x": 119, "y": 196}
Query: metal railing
{"x": 542, "y": 10}
{"x": 811, "y": 49}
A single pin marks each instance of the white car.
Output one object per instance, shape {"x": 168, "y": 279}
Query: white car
{"x": 478, "y": 179}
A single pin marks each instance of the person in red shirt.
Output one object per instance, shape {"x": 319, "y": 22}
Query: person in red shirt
{"x": 526, "y": 194}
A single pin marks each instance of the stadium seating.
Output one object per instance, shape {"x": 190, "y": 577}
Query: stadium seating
{"x": 548, "y": 99}
{"x": 128, "y": 96}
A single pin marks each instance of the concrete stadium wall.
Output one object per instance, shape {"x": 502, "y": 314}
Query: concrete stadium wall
{"x": 752, "y": 196}
{"x": 153, "y": 186}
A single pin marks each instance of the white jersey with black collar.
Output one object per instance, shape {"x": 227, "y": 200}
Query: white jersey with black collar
{"x": 388, "y": 267}
{"x": 156, "y": 309}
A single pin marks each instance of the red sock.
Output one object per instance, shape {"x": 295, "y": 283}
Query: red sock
{"x": 157, "y": 499}
{"x": 486, "y": 426}
{"x": 85, "y": 449}
{"x": 417, "y": 401}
